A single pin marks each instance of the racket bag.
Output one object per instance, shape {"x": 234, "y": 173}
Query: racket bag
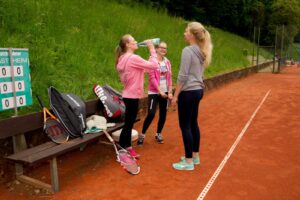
{"x": 78, "y": 107}
{"x": 113, "y": 104}
{"x": 70, "y": 110}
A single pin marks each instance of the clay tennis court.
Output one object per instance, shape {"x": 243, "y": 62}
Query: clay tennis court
{"x": 250, "y": 136}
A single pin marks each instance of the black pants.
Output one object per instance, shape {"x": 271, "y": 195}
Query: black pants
{"x": 188, "y": 103}
{"x": 153, "y": 99}
{"x": 130, "y": 116}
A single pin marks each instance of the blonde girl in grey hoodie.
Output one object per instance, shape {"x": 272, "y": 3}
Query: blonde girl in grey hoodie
{"x": 189, "y": 91}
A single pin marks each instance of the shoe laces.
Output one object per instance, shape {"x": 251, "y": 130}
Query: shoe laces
{"x": 132, "y": 152}
{"x": 159, "y": 137}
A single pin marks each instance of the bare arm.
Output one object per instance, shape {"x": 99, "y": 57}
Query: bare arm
{"x": 177, "y": 92}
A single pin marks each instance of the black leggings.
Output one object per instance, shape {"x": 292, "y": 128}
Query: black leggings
{"x": 188, "y": 103}
{"x": 130, "y": 116}
{"x": 153, "y": 99}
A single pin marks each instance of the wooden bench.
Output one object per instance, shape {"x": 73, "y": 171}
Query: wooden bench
{"x": 17, "y": 127}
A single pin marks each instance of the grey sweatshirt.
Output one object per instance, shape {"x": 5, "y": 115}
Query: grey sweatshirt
{"x": 191, "y": 69}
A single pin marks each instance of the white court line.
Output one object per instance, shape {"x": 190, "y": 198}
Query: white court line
{"x": 219, "y": 169}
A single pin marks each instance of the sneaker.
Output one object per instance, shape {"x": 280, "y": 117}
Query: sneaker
{"x": 196, "y": 160}
{"x": 183, "y": 165}
{"x": 159, "y": 138}
{"x": 132, "y": 152}
{"x": 141, "y": 139}
{"x": 124, "y": 158}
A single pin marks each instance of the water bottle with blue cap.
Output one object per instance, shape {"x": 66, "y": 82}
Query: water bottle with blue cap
{"x": 155, "y": 41}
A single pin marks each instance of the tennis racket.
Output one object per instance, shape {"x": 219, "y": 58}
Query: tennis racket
{"x": 128, "y": 162}
{"x": 52, "y": 127}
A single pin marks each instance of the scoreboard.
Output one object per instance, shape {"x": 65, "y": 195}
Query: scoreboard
{"x": 15, "y": 86}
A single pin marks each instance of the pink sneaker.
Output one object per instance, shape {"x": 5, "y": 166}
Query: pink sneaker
{"x": 124, "y": 158}
{"x": 132, "y": 152}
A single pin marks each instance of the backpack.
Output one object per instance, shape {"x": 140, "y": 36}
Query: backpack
{"x": 114, "y": 107}
{"x": 70, "y": 110}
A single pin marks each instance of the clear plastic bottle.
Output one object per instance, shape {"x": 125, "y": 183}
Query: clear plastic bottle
{"x": 154, "y": 40}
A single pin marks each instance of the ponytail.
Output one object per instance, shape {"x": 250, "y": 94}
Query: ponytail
{"x": 121, "y": 48}
{"x": 206, "y": 48}
{"x": 203, "y": 40}
{"x": 118, "y": 52}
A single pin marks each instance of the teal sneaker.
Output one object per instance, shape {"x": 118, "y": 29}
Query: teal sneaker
{"x": 183, "y": 165}
{"x": 196, "y": 160}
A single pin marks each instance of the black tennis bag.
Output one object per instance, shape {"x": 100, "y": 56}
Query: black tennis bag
{"x": 111, "y": 99}
{"x": 70, "y": 110}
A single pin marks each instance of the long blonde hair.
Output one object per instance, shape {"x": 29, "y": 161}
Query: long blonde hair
{"x": 203, "y": 40}
{"x": 121, "y": 48}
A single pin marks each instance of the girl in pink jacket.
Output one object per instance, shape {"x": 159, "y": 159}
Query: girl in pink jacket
{"x": 131, "y": 68}
{"x": 160, "y": 90}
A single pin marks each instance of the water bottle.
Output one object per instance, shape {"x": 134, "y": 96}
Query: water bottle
{"x": 154, "y": 40}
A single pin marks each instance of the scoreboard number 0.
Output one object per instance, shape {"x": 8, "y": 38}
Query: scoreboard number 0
{"x": 3, "y": 71}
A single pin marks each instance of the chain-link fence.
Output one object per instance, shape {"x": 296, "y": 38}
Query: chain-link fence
{"x": 273, "y": 45}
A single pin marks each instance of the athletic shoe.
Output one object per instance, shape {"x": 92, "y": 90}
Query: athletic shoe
{"x": 124, "y": 158}
{"x": 183, "y": 165}
{"x": 141, "y": 140}
{"x": 159, "y": 138}
{"x": 132, "y": 152}
{"x": 196, "y": 160}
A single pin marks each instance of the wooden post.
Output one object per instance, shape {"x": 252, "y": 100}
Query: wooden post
{"x": 19, "y": 144}
{"x": 54, "y": 175}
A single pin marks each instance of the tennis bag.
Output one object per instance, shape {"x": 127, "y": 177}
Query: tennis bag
{"x": 114, "y": 107}
{"x": 70, "y": 110}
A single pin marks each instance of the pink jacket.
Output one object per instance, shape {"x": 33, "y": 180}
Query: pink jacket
{"x": 131, "y": 68}
{"x": 154, "y": 78}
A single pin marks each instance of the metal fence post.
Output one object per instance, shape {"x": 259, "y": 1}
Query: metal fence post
{"x": 257, "y": 56}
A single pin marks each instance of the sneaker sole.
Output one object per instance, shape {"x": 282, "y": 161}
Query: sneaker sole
{"x": 139, "y": 144}
{"x": 137, "y": 157}
{"x": 184, "y": 169}
{"x": 159, "y": 141}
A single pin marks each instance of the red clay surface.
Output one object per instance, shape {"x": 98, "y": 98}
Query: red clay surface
{"x": 264, "y": 165}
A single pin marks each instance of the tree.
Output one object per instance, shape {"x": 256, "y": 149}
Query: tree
{"x": 287, "y": 13}
{"x": 258, "y": 13}
{"x": 239, "y": 16}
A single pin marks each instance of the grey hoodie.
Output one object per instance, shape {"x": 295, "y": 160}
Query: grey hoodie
{"x": 191, "y": 69}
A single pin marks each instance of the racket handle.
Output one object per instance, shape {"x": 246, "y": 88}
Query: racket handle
{"x": 108, "y": 136}
{"x": 40, "y": 101}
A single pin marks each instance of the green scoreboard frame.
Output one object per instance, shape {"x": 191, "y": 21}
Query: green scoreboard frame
{"x": 15, "y": 85}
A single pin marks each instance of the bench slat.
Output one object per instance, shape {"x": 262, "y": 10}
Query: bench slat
{"x": 47, "y": 150}
{"x": 33, "y": 150}
{"x": 22, "y": 124}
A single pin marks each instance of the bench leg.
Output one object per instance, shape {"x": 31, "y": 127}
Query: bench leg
{"x": 54, "y": 187}
{"x": 19, "y": 169}
{"x": 19, "y": 144}
{"x": 82, "y": 146}
{"x": 54, "y": 175}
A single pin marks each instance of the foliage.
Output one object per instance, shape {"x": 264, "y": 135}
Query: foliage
{"x": 71, "y": 42}
{"x": 294, "y": 52}
{"x": 239, "y": 16}
{"x": 287, "y": 13}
